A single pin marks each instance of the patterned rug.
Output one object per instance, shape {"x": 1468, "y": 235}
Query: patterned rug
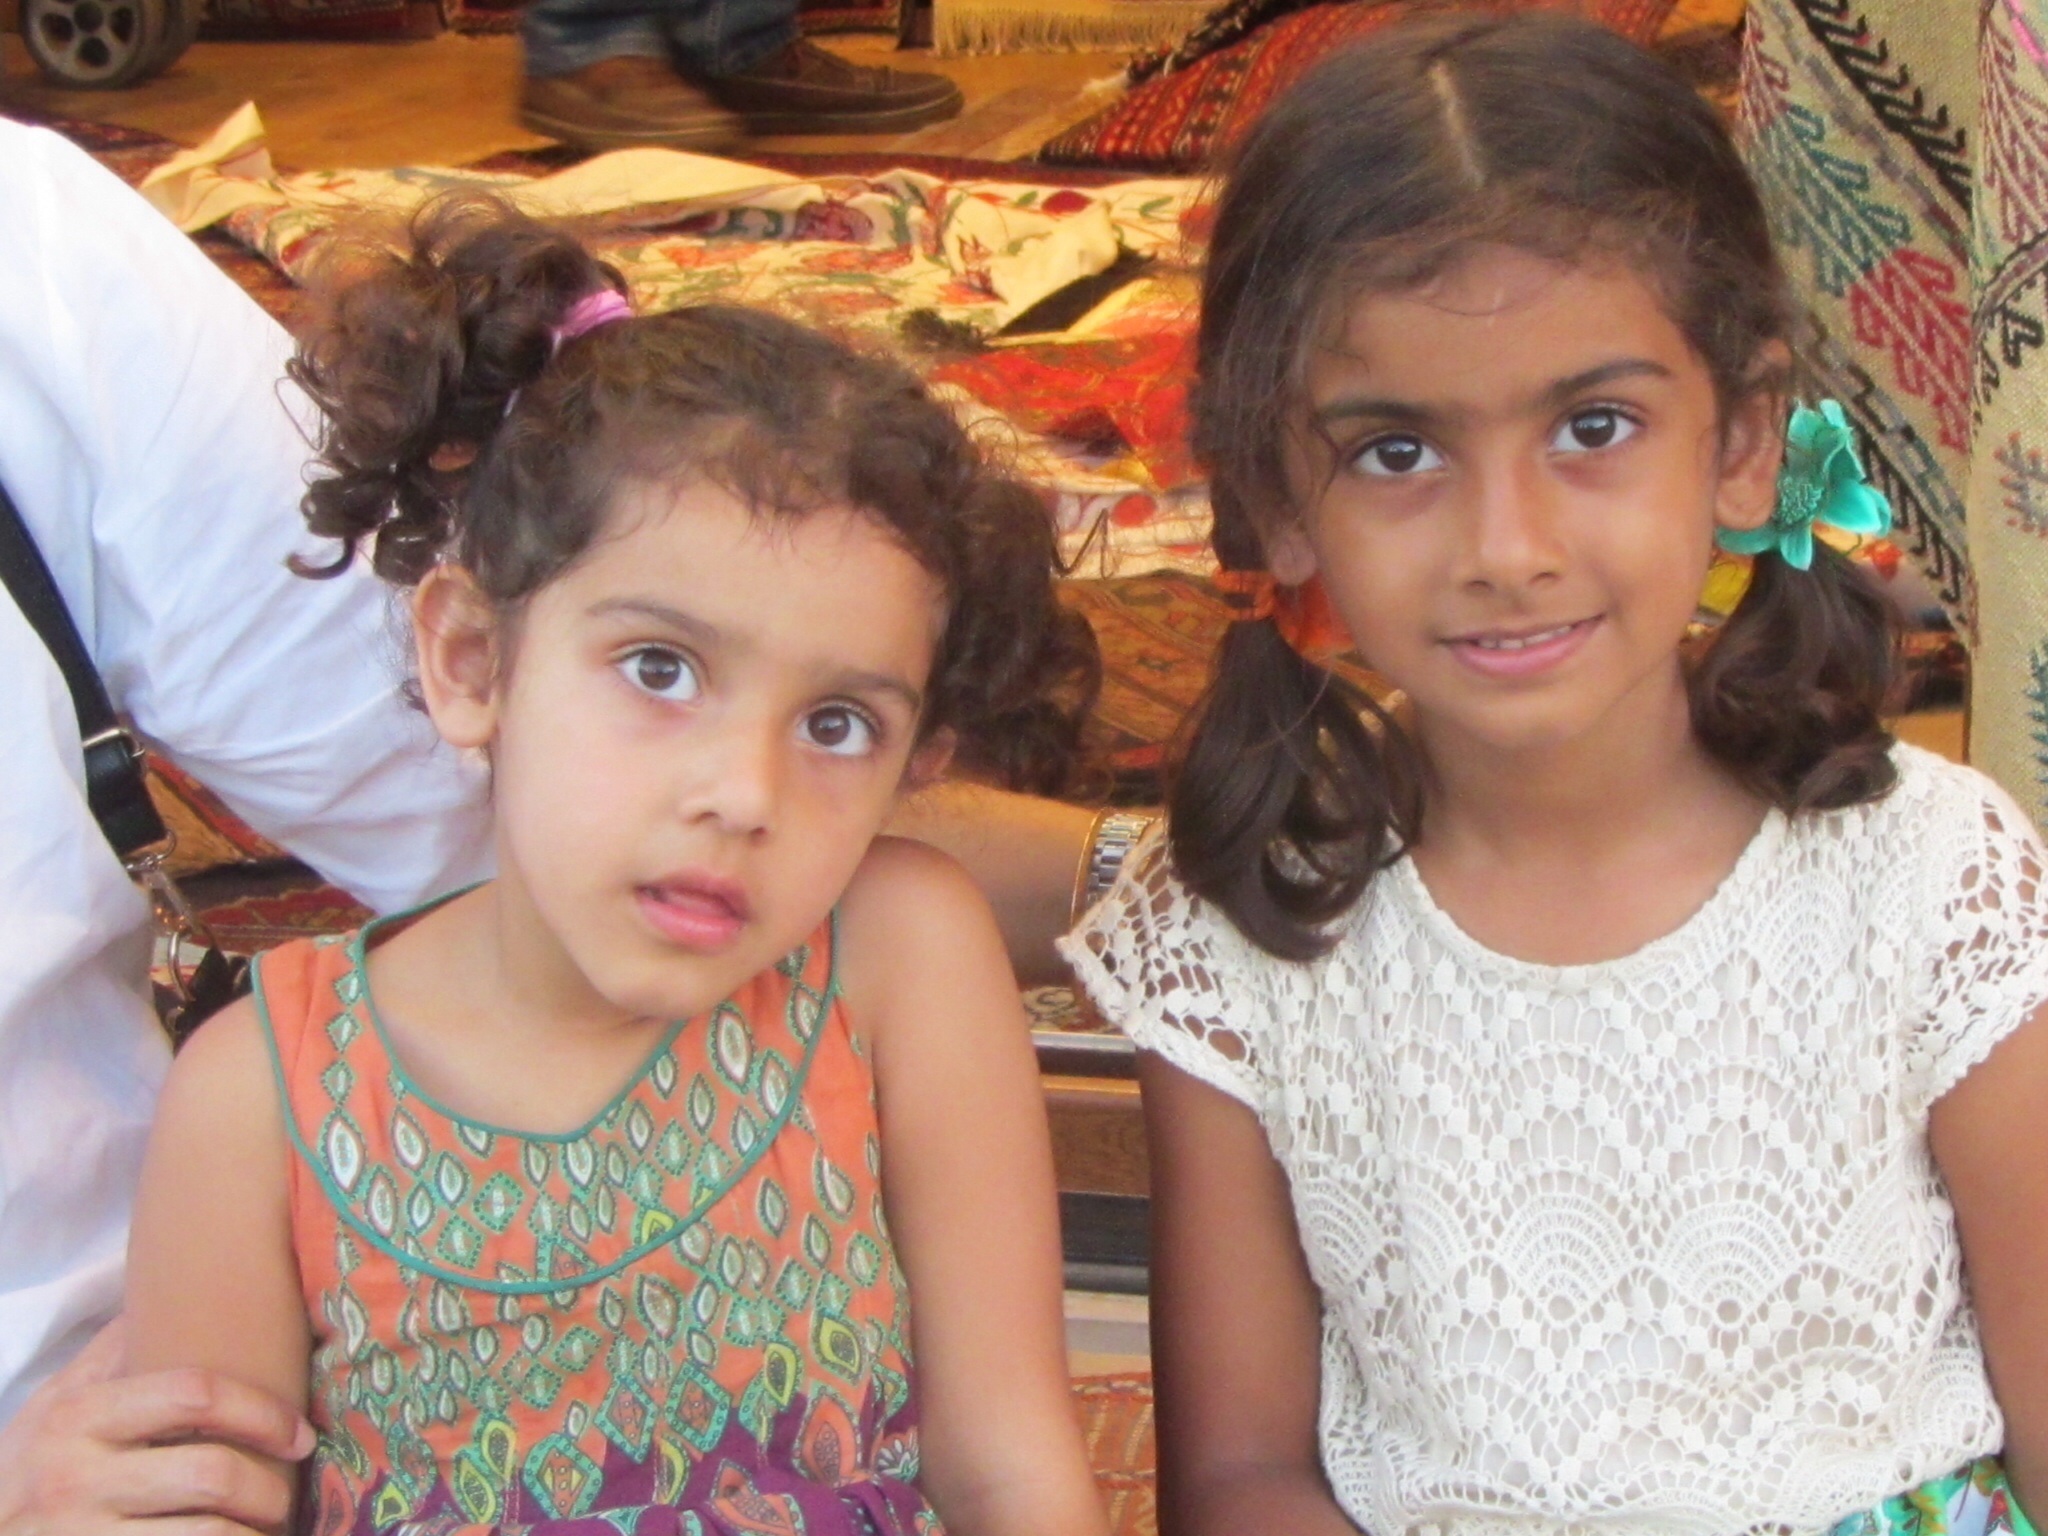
{"x": 1902, "y": 148}
{"x": 1117, "y": 1421}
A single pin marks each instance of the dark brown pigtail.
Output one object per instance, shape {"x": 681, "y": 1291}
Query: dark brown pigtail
{"x": 414, "y": 359}
{"x": 1284, "y": 801}
{"x": 1789, "y": 694}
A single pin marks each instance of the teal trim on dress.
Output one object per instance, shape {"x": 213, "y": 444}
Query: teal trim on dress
{"x": 359, "y": 962}
{"x": 418, "y": 1263}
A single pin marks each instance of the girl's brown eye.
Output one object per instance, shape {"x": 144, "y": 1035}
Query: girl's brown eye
{"x": 840, "y": 730}
{"x": 657, "y": 670}
{"x": 1396, "y": 455}
{"x": 1589, "y": 431}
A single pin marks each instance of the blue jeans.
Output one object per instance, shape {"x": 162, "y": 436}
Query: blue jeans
{"x": 706, "y": 37}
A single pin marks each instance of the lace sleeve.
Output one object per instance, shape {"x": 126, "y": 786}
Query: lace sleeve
{"x": 1989, "y": 943}
{"x": 1170, "y": 972}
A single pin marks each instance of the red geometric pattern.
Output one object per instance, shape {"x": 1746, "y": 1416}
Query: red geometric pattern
{"x": 1181, "y": 121}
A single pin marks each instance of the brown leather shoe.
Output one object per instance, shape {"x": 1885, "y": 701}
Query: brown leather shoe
{"x": 808, "y": 89}
{"x": 623, "y": 103}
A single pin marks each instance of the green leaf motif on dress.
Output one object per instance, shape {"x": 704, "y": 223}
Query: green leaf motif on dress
{"x": 578, "y": 1348}
{"x": 419, "y": 1208}
{"x": 460, "y": 1243}
{"x": 664, "y": 1074}
{"x": 660, "y": 1306}
{"x": 539, "y": 1387}
{"x": 579, "y": 1161}
{"x": 732, "y": 1045}
{"x": 746, "y": 1131}
{"x": 650, "y": 1225}
{"x": 835, "y": 1189}
{"x": 817, "y": 1242}
{"x": 639, "y": 1126}
{"x": 534, "y": 1156}
{"x": 390, "y": 1506}
{"x": 772, "y": 1206}
{"x": 701, "y": 1105}
{"x": 342, "y": 1148}
{"x": 408, "y": 1140}
{"x": 838, "y": 1346}
{"x": 793, "y": 1286}
{"x": 864, "y": 1259}
{"x": 451, "y": 1179}
{"x": 338, "y": 1080}
{"x": 774, "y": 1083}
{"x": 475, "y": 1137}
{"x": 782, "y": 1370}
{"x": 477, "y": 1494}
{"x": 382, "y": 1203}
{"x": 673, "y": 1150}
{"x": 646, "y": 1187}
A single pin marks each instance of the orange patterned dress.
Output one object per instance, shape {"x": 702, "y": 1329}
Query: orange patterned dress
{"x": 684, "y": 1319}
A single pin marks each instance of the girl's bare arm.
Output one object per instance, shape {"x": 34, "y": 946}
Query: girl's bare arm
{"x": 212, "y": 1281}
{"x": 1990, "y": 1138}
{"x": 968, "y": 1183}
{"x": 1236, "y": 1324}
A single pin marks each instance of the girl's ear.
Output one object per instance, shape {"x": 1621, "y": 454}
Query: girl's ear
{"x": 928, "y": 764}
{"x": 1753, "y": 447}
{"x": 1289, "y": 556}
{"x": 455, "y": 633}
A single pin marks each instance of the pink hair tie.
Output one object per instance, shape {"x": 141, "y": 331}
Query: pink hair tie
{"x": 601, "y": 306}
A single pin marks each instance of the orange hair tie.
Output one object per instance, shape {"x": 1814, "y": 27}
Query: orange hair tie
{"x": 1302, "y": 615}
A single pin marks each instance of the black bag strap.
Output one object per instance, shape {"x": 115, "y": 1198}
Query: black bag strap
{"x": 114, "y": 785}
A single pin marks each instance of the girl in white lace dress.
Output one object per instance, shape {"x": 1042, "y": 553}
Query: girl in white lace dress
{"x": 1609, "y": 1095}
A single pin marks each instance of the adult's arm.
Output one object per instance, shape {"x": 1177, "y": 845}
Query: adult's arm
{"x": 145, "y": 438}
{"x": 158, "y": 457}
{"x": 92, "y": 1452}
{"x": 1022, "y": 851}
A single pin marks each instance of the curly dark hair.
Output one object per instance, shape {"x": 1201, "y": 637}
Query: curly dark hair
{"x": 456, "y": 429}
{"x": 1376, "y": 173}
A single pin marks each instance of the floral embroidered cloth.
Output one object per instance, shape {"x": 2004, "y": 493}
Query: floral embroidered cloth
{"x": 684, "y": 1319}
{"x": 902, "y": 260}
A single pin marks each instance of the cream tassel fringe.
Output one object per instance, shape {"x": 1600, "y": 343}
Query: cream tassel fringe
{"x": 1044, "y": 26}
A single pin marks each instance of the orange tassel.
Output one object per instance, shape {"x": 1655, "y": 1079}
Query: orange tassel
{"x": 1303, "y": 615}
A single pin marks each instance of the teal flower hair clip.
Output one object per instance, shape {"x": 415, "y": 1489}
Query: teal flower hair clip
{"x": 1822, "y": 481}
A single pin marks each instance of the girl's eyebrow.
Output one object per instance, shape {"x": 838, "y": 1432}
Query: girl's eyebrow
{"x": 1406, "y": 413}
{"x": 660, "y": 613}
{"x": 706, "y": 634}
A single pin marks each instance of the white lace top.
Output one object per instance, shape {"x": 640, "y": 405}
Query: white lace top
{"x": 1650, "y": 1245}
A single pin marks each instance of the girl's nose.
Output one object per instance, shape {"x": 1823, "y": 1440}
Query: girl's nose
{"x": 736, "y": 779}
{"x": 1512, "y": 527}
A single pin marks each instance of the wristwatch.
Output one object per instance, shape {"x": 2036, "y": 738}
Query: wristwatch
{"x": 1110, "y": 840}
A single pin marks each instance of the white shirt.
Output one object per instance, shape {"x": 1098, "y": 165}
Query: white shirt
{"x": 148, "y": 442}
{"x": 1654, "y": 1245}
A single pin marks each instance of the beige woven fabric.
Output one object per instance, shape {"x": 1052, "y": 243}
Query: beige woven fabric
{"x": 1902, "y": 146}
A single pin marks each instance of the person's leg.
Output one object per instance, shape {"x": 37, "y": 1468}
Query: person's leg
{"x": 599, "y": 75}
{"x": 563, "y": 36}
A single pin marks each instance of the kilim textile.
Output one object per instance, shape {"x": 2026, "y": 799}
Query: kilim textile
{"x": 685, "y": 1317}
{"x": 1902, "y": 146}
{"x": 1180, "y": 120}
{"x": 1034, "y": 26}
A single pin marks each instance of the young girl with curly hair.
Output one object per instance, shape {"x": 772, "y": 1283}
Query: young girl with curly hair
{"x": 594, "y": 1198}
{"x": 1604, "y": 1093}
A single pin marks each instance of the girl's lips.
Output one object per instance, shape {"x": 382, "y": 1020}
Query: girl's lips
{"x": 1497, "y": 654}
{"x": 702, "y": 915}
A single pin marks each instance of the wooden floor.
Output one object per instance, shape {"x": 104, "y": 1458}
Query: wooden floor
{"x": 453, "y": 99}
